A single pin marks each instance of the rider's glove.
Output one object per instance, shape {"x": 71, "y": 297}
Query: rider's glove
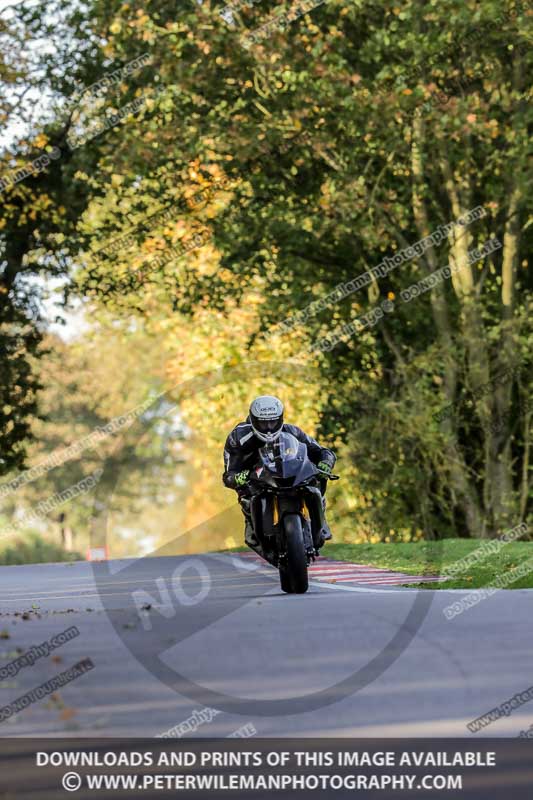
{"x": 241, "y": 478}
{"x": 323, "y": 466}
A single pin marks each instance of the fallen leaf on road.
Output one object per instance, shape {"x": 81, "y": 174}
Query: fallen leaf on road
{"x": 5, "y": 634}
{"x": 55, "y": 701}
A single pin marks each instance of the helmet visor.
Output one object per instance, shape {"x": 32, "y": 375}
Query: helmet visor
{"x": 268, "y": 425}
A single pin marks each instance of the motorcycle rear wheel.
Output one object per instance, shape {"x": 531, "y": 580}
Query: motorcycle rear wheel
{"x": 293, "y": 575}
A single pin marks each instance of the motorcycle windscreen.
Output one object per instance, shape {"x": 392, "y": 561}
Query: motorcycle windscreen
{"x": 287, "y": 458}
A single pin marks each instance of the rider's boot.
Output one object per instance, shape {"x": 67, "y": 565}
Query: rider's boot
{"x": 325, "y": 533}
{"x": 249, "y": 535}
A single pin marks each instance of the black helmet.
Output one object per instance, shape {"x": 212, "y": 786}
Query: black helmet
{"x": 266, "y": 416}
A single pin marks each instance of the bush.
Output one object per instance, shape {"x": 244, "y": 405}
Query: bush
{"x": 33, "y": 549}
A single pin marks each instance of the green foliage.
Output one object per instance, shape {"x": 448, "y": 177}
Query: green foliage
{"x": 19, "y": 343}
{"x": 34, "y": 549}
{"x": 342, "y": 139}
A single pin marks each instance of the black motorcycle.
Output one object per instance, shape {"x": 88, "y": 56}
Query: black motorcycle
{"x": 286, "y": 510}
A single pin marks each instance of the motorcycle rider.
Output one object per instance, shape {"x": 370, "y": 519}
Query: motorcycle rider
{"x": 264, "y": 424}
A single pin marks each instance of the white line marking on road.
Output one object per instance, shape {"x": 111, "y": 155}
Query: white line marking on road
{"x": 239, "y": 584}
{"x": 340, "y": 588}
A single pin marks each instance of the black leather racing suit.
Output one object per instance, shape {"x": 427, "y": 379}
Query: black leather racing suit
{"x": 241, "y": 452}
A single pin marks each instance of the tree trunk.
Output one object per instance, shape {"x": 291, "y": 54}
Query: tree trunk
{"x": 503, "y": 500}
{"x": 466, "y": 495}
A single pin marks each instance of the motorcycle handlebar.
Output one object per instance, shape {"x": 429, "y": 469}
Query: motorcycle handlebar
{"x": 329, "y": 475}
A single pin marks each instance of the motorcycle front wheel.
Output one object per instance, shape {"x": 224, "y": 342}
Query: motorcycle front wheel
{"x": 293, "y": 573}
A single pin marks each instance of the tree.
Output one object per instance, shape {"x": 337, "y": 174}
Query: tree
{"x": 107, "y": 443}
{"x": 344, "y": 135}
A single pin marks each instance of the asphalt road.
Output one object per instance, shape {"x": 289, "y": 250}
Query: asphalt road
{"x": 283, "y": 663}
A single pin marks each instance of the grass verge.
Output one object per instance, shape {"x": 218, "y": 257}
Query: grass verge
{"x": 432, "y": 558}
